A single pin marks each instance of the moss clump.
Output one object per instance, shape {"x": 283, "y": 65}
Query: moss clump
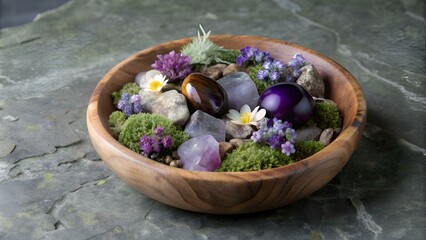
{"x": 138, "y": 125}
{"x": 229, "y": 55}
{"x": 116, "y": 121}
{"x": 260, "y": 85}
{"x": 253, "y": 157}
{"x": 131, "y": 88}
{"x": 327, "y": 115}
{"x": 305, "y": 149}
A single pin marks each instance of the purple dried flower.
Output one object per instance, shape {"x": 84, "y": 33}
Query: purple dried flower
{"x": 151, "y": 146}
{"x": 274, "y": 76}
{"x": 173, "y": 65}
{"x": 277, "y": 134}
{"x": 297, "y": 61}
{"x": 251, "y": 55}
{"x": 156, "y": 145}
{"x": 158, "y": 131}
{"x": 277, "y": 64}
{"x": 130, "y": 104}
{"x": 275, "y": 141}
{"x": 167, "y": 141}
{"x": 262, "y": 74}
{"x": 287, "y": 148}
{"x": 145, "y": 144}
{"x": 267, "y": 65}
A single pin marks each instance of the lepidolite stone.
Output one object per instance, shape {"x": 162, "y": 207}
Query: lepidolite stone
{"x": 200, "y": 154}
{"x": 201, "y": 123}
{"x": 240, "y": 90}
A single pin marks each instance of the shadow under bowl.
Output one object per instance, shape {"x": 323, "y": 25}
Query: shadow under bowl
{"x": 230, "y": 192}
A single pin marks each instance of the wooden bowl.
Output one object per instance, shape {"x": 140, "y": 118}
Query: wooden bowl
{"x": 233, "y": 192}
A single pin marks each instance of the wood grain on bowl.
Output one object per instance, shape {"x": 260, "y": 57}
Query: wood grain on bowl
{"x": 232, "y": 192}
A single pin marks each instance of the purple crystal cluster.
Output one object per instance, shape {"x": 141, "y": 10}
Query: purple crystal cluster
{"x": 130, "y": 104}
{"x": 277, "y": 134}
{"x": 173, "y": 65}
{"x": 200, "y": 154}
{"x": 151, "y": 146}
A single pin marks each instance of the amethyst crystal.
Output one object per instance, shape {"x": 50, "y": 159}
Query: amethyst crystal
{"x": 200, "y": 154}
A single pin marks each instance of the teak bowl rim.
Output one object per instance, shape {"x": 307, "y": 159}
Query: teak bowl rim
{"x": 347, "y": 134}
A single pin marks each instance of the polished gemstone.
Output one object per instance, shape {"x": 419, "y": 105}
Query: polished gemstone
{"x": 288, "y": 102}
{"x": 205, "y": 94}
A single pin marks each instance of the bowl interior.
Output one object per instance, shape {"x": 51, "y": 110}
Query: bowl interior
{"x": 238, "y": 192}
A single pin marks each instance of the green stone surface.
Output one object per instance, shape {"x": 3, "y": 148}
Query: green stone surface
{"x": 54, "y": 186}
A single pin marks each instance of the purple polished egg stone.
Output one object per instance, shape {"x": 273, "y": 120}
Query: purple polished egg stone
{"x": 288, "y": 102}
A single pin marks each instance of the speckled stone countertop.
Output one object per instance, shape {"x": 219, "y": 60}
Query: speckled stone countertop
{"x": 54, "y": 186}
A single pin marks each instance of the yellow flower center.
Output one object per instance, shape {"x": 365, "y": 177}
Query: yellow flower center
{"x": 155, "y": 85}
{"x": 245, "y": 117}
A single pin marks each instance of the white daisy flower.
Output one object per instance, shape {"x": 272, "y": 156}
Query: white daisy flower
{"x": 153, "y": 82}
{"x": 246, "y": 116}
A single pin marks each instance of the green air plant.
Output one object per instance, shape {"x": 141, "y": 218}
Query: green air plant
{"x": 203, "y": 51}
{"x": 137, "y": 125}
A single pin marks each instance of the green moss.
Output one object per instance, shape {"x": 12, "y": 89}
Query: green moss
{"x": 132, "y": 88}
{"x": 260, "y": 85}
{"x": 228, "y": 55}
{"x": 253, "y": 157}
{"x": 116, "y": 121}
{"x": 327, "y": 115}
{"x": 140, "y": 124}
{"x": 306, "y": 148}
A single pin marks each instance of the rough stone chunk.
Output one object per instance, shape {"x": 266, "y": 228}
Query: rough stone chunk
{"x": 324, "y": 100}
{"x": 172, "y": 105}
{"x": 214, "y": 72}
{"x": 240, "y": 90}
{"x": 236, "y": 142}
{"x": 308, "y": 134}
{"x": 201, "y": 123}
{"x": 200, "y": 154}
{"x": 311, "y": 81}
{"x": 232, "y": 68}
{"x": 224, "y": 148}
{"x": 237, "y": 131}
{"x": 326, "y": 136}
{"x": 147, "y": 100}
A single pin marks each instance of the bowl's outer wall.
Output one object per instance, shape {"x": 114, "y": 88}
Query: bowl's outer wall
{"x": 229, "y": 193}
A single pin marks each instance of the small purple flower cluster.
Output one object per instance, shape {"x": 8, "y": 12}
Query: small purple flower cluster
{"x": 271, "y": 69}
{"x": 277, "y": 134}
{"x": 173, "y": 65}
{"x": 294, "y": 66}
{"x": 251, "y": 55}
{"x": 130, "y": 104}
{"x": 151, "y": 146}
